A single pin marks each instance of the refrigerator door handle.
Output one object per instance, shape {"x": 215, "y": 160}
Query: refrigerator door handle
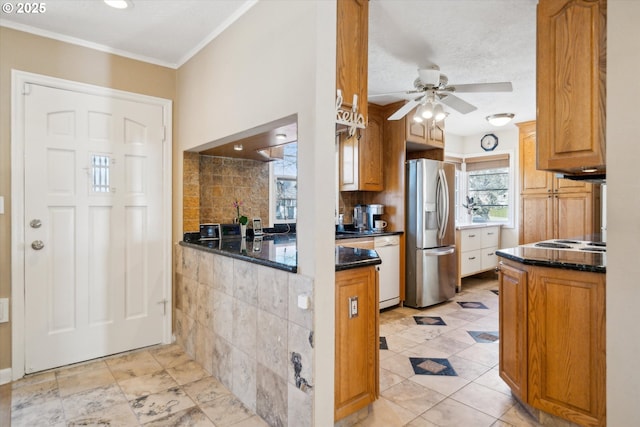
{"x": 442, "y": 198}
{"x": 439, "y": 251}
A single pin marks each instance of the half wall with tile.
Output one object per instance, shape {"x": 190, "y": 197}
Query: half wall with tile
{"x": 241, "y": 322}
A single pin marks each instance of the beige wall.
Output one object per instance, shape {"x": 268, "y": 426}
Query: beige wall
{"x": 279, "y": 61}
{"x": 623, "y": 210}
{"x": 26, "y": 52}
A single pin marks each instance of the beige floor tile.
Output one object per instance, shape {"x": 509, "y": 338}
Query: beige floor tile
{"x": 388, "y": 379}
{"x": 116, "y": 415}
{"x": 385, "y": 413}
{"x": 42, "y": 413}
{"x": 424, "y": 350}
{"x": 399, "y": 365}
{"x": 484, "y": 399}
{"x": 33, "y": 379}
{"x": 187, "y": 372}
{"x": 34, "y": 394}
{"x": 254, "y": 421}
{"x": 466, "y": 368}
{"x": 191, "y": 417}
{"x": 205, "y": 390}
{"x": 159, "y": 405}
{"x": 451, "y": 413}
{"x": 518, "y": 416}
{"x": 85, "y": 380}
{"x": 412, "y": 396}
{"x": 145, "y": 385}
{"x": 492, "y": 380}
{"x": 133, "y": 365}
{"x": 89, "y": 401}
{"x": 443, "y": 384}
{"x": 80, "y": 368}
{"x": 226, "y": 411}
{"x": 170, "y": 356}
{"x": 421, "y": 422}
{"x": 447, "y": 345}
{"x": 398, "y": 343}
{"x": 485, "y": 354}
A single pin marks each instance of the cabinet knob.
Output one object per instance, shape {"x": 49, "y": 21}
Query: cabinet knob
{"x": 472, "y": 257}
{"x": 472, "y": 235}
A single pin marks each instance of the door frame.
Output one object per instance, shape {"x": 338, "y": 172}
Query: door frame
{"x": 18, "y": 245}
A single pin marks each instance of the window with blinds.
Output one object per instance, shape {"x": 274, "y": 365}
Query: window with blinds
{"x": 488, "y": 188}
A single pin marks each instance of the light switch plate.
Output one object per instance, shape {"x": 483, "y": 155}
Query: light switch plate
{"x": 4, "y": 310}
{"x": 353, "y": 307}
{"x": 1, "y": 205}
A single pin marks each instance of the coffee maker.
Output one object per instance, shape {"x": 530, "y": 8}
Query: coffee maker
{"x": 374, "y": 213}
{"x": 360, "y": 217}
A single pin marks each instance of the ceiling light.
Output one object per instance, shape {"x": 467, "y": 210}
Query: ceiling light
{"x": 500, "y": 119}
{"x": 427, "y": 111}
{"x": 438, "y": 113}
{"x": 237, "y": 147}
{"x": 119, "y": 4}
{"x": 281, "y": 136}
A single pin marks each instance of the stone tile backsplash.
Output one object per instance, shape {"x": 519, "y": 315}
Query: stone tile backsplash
{"x": 241, "y": 322}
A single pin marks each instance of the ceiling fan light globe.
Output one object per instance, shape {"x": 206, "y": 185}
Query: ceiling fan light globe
{"x": 427, "y": 111}
{"x": 438, "y": 113}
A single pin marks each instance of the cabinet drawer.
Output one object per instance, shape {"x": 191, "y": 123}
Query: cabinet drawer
{"x": 490, "y": 237}
{"x": 470, "y": 262}
{"x": 489, "y": 258}
{"x": 470, "y": 239}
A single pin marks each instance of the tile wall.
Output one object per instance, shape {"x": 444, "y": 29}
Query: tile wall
{"x": 224, "y": 180}
{"x": 212, "y": 184}
{"x": 191, "y": 192}
{"x": 241, "y": 322}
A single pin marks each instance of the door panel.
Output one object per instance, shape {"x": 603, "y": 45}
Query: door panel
{"x": 93, "y": 176}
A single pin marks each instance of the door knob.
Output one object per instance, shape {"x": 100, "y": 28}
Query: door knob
{"x": 35, "y": 223}
{"x": 37, "y": 245}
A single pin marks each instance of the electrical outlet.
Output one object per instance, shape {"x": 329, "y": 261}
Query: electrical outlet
{"x": 4, "y": 310}
{"x": 353, "y": 307}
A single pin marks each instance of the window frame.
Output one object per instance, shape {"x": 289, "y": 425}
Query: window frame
{"x": 462, "y": 187}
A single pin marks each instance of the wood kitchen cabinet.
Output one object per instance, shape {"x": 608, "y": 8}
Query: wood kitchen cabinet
{"x": 361, "y": 156}
{"x": 512, "y": 297}
{"x": 571, "y": 85}
{"x": 552, "y": 208}
{"x": 476, "y": 249}
{"x": 357, "y": 340}
{"x": 352, "y": 52}
{"x": 425, "y": 135}
{"x": 560, "y": 315}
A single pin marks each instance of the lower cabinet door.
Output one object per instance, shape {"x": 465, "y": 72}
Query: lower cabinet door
{"x": 357, "y": 340}
{"x": 512, "y": 297}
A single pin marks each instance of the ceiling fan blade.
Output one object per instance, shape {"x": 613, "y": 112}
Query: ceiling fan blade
{"x": 405, "y": 109}
{"x": 404, "y": 92}
{"x": 482, "y": 87}
{"x": 456, "y": 103}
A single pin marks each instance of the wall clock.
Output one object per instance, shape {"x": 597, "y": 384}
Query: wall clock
{"x": 489, "y": 142}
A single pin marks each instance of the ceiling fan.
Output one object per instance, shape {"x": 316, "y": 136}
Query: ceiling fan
{"x": 433, "y": 86}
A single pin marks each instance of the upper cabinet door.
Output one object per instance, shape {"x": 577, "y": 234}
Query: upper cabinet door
{"x": 571, "y": 76}
{"x": 352, "y": 52}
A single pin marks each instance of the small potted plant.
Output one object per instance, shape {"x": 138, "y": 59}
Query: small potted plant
{"x": 242, "y": 219}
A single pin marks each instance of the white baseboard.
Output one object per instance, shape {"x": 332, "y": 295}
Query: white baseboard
{"x": 5, "y": 376}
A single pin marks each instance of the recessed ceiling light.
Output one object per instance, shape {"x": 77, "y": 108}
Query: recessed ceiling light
{"x": 500, "y": 119}
{"x": 238, "y": 147}
{"x": 119, "y": 4}
{"x": 281, "y": 136}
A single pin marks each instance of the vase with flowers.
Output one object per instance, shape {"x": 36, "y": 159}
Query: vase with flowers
{"x": 241, "y": 219}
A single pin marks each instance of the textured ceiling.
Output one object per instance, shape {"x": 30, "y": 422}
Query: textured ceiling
{"x": 470, "y": 40}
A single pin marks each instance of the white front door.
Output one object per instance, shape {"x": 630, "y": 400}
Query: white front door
{"x": 93, "y": 217}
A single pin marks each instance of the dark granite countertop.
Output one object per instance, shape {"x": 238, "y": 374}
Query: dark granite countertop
{"x": 356, "y": 235}
{"x": 348, "y": 258}
{"x": 570, "y": 260}
{"x": 278, "y": 251}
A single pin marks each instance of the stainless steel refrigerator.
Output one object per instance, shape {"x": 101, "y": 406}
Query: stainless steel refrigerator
{"x": 431, "y": 260}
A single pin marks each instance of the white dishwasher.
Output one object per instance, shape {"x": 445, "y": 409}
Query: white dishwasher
{"x": 388, "y": 249}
